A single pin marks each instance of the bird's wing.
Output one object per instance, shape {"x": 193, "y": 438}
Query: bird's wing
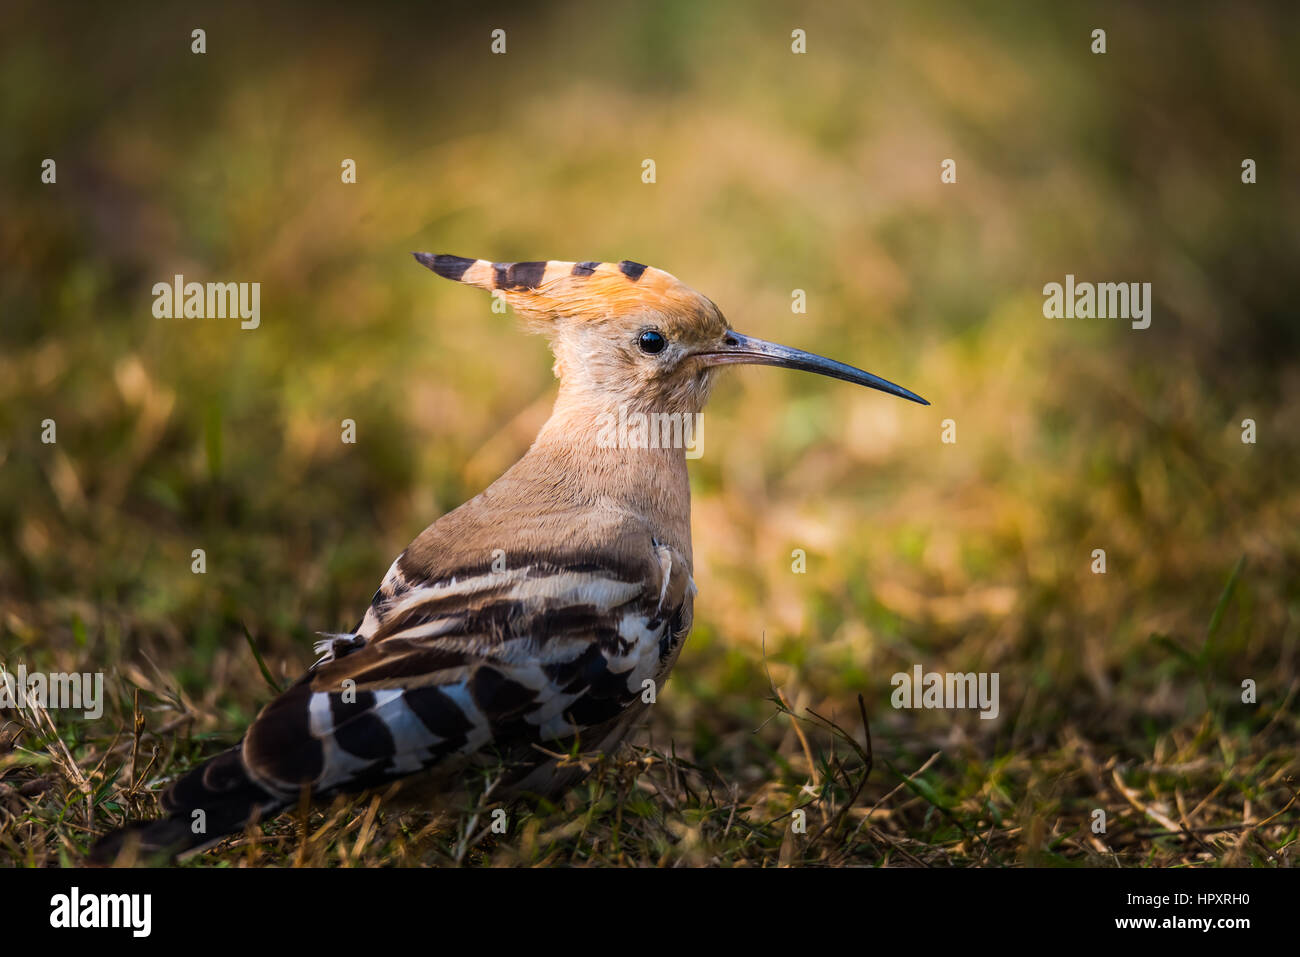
{"x": 485, "y": 659}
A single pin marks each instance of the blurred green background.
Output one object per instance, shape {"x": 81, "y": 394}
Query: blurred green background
{"x": 775, "y": 172}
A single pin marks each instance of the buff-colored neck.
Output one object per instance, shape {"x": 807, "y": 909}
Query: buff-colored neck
{"x": 583, "y": 447}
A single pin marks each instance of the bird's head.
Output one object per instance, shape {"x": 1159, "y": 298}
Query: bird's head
{"x": 629, "y": 335}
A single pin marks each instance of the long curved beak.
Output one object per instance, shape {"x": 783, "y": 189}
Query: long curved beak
{"x": 736, "y": 349}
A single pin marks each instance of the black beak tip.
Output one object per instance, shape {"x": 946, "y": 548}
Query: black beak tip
{"x": 425, "y": 259}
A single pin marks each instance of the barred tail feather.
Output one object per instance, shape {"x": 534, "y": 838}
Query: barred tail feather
{"x": 220, "y": 788}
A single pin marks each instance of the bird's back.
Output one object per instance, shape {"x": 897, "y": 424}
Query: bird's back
{"x": 535, "y": 618}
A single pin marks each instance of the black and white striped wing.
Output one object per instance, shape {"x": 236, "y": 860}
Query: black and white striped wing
{"x": 489, "y": 660}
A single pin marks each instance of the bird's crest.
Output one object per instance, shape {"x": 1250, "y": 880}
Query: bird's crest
{"x": 572, "y": 290}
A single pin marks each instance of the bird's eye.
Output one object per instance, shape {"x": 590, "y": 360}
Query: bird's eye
{"x": 651, "y": 342}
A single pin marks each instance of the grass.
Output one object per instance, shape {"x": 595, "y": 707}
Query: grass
{"x": 1121, "y": 692}
{"x": 1218, "y": 791}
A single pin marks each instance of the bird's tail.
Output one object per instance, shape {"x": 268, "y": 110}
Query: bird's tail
{"x": 213, "y": 800}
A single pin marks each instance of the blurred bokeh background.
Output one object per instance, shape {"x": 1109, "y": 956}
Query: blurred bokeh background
{"x": 775, "y": 172}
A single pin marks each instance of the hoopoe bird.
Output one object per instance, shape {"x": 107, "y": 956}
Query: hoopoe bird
{"x": 527, "y": 621}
